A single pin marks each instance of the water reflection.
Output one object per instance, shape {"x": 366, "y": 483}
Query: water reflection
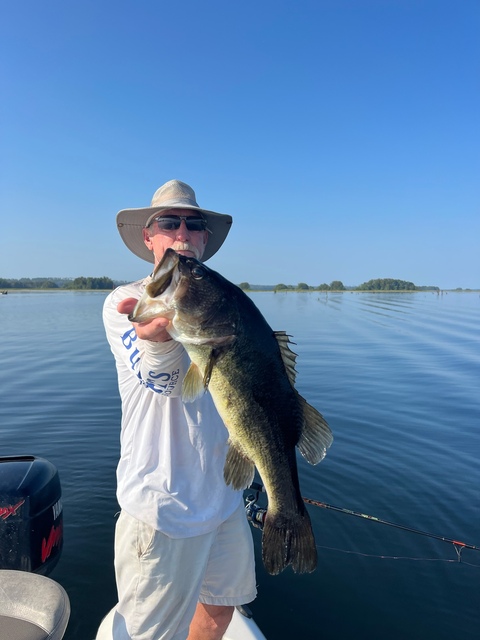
{"x": 396, "y": 376}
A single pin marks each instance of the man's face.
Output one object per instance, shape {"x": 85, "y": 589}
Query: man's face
{"x": 189, "y": 243}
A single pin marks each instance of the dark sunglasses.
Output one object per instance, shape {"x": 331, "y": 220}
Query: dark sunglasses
{"x": 172, "y": 223}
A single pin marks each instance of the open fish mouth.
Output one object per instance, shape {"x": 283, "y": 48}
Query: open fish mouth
{"x": 161, "y": 284}
{"x": 168, "y": 263}
{"x": 163, "y": 278}
{"x": 163, "y": 275}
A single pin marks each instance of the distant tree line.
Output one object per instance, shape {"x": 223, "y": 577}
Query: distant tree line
{"x": 386, "y": 284}
{"x": 90, "y": 283}
{"x": 87, "y": 283}
{"x": 59, "y": 283}
{"x": 378, "y": 284}
{"x": 336, "y": 285}
{"x": 391, "y": 284}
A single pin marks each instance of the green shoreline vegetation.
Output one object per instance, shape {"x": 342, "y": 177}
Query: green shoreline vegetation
{"x": 378, "y": 285}
{"x": 82, "y": 283}
{"x": 103, "y": 283}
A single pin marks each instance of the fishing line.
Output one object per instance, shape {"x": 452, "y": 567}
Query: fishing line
{"x": 384, "y": 557}
{"x": 256, "y": 516}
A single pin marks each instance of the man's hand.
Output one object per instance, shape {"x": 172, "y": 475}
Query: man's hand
{"x": 153, "y": 330}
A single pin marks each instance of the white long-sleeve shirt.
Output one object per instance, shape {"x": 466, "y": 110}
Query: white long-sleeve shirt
{"x": 170, "y": 473}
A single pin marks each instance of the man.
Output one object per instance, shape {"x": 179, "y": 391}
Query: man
{"x": 183, "y": 549}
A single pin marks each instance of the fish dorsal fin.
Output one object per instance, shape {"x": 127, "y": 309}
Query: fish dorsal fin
{"x": 316, "y": 436}
{"x": 193, "y": 386}
{"x": 288, "y": 356}
{"x": 239, "y": 470}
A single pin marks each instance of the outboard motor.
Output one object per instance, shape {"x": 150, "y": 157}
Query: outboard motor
{"x": 31, "y": 540}
{"x": 31, "y": 522}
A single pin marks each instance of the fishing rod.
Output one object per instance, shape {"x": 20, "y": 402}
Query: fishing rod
{"x": 256, "y": 516}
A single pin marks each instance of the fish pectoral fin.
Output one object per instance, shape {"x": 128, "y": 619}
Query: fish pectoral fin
{"x": 193, "y": 386}
{"x": 288, "y": 356}
{"x": 207, "y": 374}
{"x": 195, "y": 383}
{"x": 316, "y": 436}
{"x": 215, "y": 354}
{"x": 239, "y": 470}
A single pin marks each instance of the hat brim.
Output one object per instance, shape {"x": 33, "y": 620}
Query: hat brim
{"x": 131, "y": 222}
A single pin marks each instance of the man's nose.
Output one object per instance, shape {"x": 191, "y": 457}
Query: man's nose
{"x": 182, "y": 232}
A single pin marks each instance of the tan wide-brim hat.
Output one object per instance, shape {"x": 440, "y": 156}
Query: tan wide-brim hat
{"x": 172, "y": 195}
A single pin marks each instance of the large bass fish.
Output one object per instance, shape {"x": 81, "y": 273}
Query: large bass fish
{"x": 250, "y": 372}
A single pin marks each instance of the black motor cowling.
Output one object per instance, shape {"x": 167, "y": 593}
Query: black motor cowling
{"x": 31, "y": 518}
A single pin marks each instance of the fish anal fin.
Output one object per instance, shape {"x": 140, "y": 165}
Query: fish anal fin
{"x": 288, "y": 356}
{"x": 239, "y": 470}
{"x": 316, "y": 436}
{"x": 193, "y": 386}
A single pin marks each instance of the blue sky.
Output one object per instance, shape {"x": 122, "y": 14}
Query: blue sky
{"x": 342, "y": 135}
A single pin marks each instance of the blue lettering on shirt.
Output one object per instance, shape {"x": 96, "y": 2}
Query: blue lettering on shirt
{"x": 154, "y": 380}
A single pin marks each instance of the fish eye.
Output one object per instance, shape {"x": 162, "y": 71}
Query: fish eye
{"x": 198, "y": 272}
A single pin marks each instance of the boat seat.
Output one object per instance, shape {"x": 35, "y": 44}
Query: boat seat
{"x": 32, "y": 607}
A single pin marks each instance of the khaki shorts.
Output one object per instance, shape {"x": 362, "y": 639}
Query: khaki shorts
{"x": 161, "y": 579}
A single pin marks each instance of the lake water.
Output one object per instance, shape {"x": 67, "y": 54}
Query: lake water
{"x": 398, "y": 378}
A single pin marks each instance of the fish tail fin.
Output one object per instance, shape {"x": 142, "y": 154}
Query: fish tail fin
{"x": 288, "y": 542}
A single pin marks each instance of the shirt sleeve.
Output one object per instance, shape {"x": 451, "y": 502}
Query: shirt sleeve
{"x": 159, "y": 366}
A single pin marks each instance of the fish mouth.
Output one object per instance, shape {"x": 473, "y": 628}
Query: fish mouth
{"x": 168, "y": 262}
{"x": 149, "y": 305}
{"x": 163, "y": 274}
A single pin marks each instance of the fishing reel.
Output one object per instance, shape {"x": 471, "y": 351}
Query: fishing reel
{"x": 255, "y": 513}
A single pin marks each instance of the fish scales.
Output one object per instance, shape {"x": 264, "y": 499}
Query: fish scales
{"x": 250, "y": 372}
